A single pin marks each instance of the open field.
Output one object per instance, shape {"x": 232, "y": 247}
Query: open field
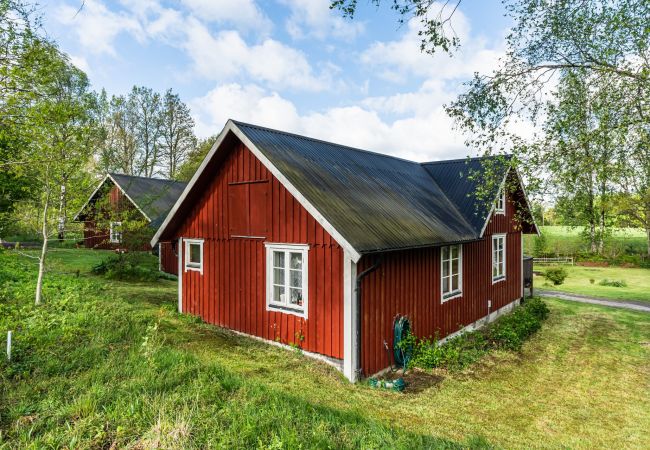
{"x": 578, "y": 282}
{"x": 104, "y": 364}
{"x": 561, "y": 240}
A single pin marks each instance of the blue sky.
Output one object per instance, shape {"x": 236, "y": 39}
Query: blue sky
{"x": 288, "y": 64}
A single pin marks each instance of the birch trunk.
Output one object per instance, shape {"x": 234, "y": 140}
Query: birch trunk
{"x": 41, "y": 260}
{"x": 62, "y": 213}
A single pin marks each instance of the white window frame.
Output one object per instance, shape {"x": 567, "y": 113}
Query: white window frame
{"x": 187, "y": 264}
{"x": 285, "y": 307}
{"x": 115, "y": 236}
{"x": 444, "y": 297}
{"x": 500, "y": 207}
{"x": 502, "y": 275}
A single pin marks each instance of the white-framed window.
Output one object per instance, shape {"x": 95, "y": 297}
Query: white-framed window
{"x": 194, "y": 255}
{"x": 498, "y": 257}
{"x": 500, "y": 207}
{"x": 451, "y": 272}
{"x": 115, "y": 232}
{"x": 286, "y": 278}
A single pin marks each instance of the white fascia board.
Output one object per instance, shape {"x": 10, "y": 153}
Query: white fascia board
{"x": 130, "y": 199}
{"x": 192, "y": 182}
{"x": 493, "y": 207}
{"x": 231, "y": 126}
{"x": 523, "y": 189}
{"x": 76, "y": 217}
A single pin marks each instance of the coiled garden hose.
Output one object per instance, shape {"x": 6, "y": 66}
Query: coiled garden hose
{"x": 401, "y": 329}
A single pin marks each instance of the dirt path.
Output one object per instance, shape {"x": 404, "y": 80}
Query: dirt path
{"x": 636, "y": 305}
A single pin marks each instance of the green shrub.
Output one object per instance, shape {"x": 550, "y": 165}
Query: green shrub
{"x": 613, "y": 283}
{"x": 556, "y": 275}
{"x": 539, "y": 246}
{"x": 508, "y": 333}
{"x": 129, "y": 267}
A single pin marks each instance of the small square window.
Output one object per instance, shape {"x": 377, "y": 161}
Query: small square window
{"x": 194, "y": 255}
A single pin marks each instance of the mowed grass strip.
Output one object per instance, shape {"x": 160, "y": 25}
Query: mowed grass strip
{"x": 579, "y": 281}
{"x": 104, "y": 364}
{"x": 564, "y": 240}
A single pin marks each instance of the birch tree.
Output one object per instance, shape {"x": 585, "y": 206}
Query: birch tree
{"x": 60, "y": 126}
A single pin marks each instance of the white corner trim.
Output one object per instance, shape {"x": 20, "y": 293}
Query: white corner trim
{"x": 521, "y": 264}
{"x": 179, "y": 252}
{"x": 349, "y": 318}
{"x": 232, "y": 127}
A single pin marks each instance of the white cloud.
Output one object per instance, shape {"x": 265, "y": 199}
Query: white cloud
{"x": 81, "y": 63}
{"x": 314, "y": 18}
{"x": 226, "y": 55}
{"x": 243, "y": 13}
{"x": 401, "y": 59}
{"x": 421, "y": 137}
{"x": 97, "y": 27}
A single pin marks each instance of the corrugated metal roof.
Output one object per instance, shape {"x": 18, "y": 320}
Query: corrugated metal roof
{"x": 153, "y": 196}
{"x": 376, "y": 202}
{"x": 461, "y": 179}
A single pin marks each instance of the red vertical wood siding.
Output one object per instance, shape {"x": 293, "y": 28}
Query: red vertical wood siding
{"x": 408, "y": 283}
{"x": 168, "y": 257}
{"x": 231, "y": 292}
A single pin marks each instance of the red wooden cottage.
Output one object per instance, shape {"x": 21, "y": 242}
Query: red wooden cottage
{"x": 118, "y": 198}
{"x": 302, "y": 241}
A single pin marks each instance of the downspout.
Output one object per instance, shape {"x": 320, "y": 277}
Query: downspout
{"x": 357, "y": 301}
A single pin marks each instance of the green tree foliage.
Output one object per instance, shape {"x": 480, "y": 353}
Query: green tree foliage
{"x": 577, "y": 70}
{"x": 195, "y": 158}
{"x": 177, "y": 134}
{"x": 145, "y": 133}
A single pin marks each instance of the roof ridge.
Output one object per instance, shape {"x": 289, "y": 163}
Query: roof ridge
{"x": 469, "y": 158}
{"x": 112, "y": 174}
{"x": 323, "y": 141}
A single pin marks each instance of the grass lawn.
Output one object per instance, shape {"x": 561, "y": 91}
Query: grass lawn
{"x": 109, "y": 364}
{"x": 563, "y": 240}
{"x": 578, "y": 282}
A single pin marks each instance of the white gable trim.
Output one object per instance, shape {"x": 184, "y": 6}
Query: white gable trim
{"x": 231, "y": 126}
{"x": 107, "y": 177}
{"x": 501, "y": 187}
{"x": 76, "y": 217}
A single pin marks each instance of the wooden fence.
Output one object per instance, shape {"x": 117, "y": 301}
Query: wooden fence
{"x": 558, "y": 260}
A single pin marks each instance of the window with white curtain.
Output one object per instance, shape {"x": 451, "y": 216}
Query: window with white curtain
{"x": 286, "y": 281}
